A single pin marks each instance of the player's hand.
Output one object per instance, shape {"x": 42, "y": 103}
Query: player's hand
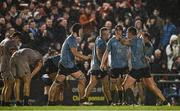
{"x": 89, "y": 57}
{"x": 103, "y": 67}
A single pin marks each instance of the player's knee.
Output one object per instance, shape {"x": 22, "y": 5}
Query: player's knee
{"x": 82, "y": 78}
{"x": 123, "y": 87}
{"x": 106, "y": 87}
{"x": 151, "y": 87}
{"x": 26, "y": 92}
{"x": 57, "y": 82}
{"x": 61, "y": 88}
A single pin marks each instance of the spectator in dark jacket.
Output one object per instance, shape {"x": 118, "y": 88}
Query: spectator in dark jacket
{"x": 26, "y": 40}
{"x": 18, "y": 24}
{"x": 154, "y": 31}
{"x": 2, "y": 28}
{"x": 60, "y": 31}
{"x": 49, "y": 28}
{"x": 168, "y": 30}
{"x": 42, "y": 41}
{"x": 158, "y": 65}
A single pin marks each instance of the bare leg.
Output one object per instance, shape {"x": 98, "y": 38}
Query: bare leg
{"x": 26, "y": 90}
{"x": 114, "y": 89}
{"x": 128, "y": 82}
{"x": 126, "y": 86}
{"x": 4, "y": 89}
{"x": 90, "y": 86}
{"x": 52, "y": 91}
{"x": 27, "y": 83}
{"x": 140, "y": 86}
{"x": 46, "y": 90}
{"x": 17, "y": 90}
{"x": 3, "y": 93}
{"x": 4, "y": 96}
{"x": 9, "y": 89}
{"x": 81, "y": 82}
{"x": 119, "y": 83}
{"x": 120, "y": 90}
{"x": 149, "y": 82}
{"x": 106, "y": 88}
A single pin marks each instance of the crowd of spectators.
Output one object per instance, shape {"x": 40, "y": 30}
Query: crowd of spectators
{"x": 45, "y": 24}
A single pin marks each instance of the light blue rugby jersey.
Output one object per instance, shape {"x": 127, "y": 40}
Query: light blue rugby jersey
{"x": 119, "y": 53}
{"x": 138, "y": 53}
{"x": 100, "y": 44}
{"x": 67, "y": 57}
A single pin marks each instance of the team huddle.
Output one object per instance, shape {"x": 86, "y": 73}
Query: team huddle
{"x": 119, "y": 61}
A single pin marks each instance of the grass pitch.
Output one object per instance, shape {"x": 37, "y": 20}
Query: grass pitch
{"x": 91, "y": 108}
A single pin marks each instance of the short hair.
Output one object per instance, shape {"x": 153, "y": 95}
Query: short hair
{"x": 102, "y": 30}
{"x": 118, "y": 27}
{"x": 76, "y": 27}
{"x": 132, "y": 30}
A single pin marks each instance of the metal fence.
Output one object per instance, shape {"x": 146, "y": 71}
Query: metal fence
{"x": 170, "y": 86}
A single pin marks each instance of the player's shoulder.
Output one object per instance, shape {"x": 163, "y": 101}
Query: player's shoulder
{"x": 112, "y": 39}
{"x": 70, "y": 39}
{"x": 98, "y": 40}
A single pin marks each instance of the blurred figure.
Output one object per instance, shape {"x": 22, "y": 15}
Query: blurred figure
{"x": 20, "y": 68}
{"x": 122, "y": 10}
{"x": 118, "y": 65}
{"x": 33, "y": 29}
{"x": 18, "y": 24}
{"x": 2, "y": 28}
{"x": 88, "y": 21}
{"x": 60, "y": 32}
{"x": 67, "y": 64}
{"x": 156, "y": 13}
{"x": 158, "y": 65}
{"x": 139, "y": 26}
{"x": 50, "y": 31}
{"x": 7, "y": 48}
{"x": 154, "y": 30}
{"x": 172, "y": 51}
{"x": 26, "y": 40}
{"x": 168, "y": 30}
{"x": 43, "y": 40}
{"x": 95, "y": 72}
{"x": 104, "y": 13}
{"x": 176, "y": 65}
{"x": 109, "y": 25}
{"x": 48, "y": 72}
{"x": 140, "y": 65}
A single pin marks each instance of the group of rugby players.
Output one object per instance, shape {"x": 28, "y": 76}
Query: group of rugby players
{"x": 118, "y": 62}
{"x": 121, "y": 51}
